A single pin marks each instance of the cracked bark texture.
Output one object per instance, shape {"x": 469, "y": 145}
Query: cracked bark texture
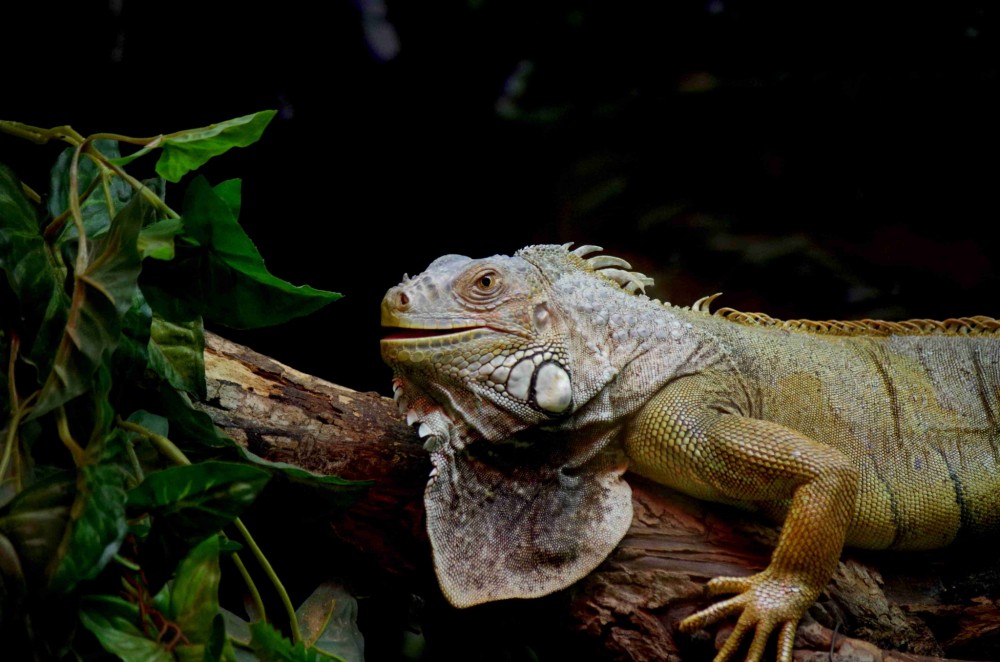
{"x": 929, "y": 605}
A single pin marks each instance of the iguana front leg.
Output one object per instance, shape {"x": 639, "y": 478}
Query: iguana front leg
{"x": 685, "y": 440}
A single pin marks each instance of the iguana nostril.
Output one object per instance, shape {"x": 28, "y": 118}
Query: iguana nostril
{"x": 404, "y": 300}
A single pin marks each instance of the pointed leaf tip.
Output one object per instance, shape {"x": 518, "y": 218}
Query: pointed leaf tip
{"x": 185, "y": 151}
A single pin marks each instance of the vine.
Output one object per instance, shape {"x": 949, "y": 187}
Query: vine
{"x": 104, "y": 292}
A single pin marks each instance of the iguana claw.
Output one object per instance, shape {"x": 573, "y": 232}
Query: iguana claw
{"x": 765, "y": 603}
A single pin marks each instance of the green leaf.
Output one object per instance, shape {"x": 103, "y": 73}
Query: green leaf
{"x": 217, "y": 647}
{"x": 131, "y": 358}
{"x": 13, "y": 588}
{"x": 150, "y": 346}
{"x": 151, "y": 422}
{"x": 16, "y": 211}
{"x": 339, "y": 492}
{"x": 328, "y": 619}
{"x": 174, "y": 346}
{"x": 237, "y": 629}
{"x": 194, "y": 597}
{"x": 185, "y": 151}
{"x": 231, "y": 192}
{"x": 103, "y": 204}
{"x": 102, "y": 294}
{"x": 224, "y": 276}
{"x": 147, "y": 455}
{"x": 157, "y": 239}
{"x": 34, "y": 273}
{"x": 271, "y": 646}
{"x": 115, "y": 624}
{"x": 35, "y": 523}
{"x": 190, "y": 653}
{"x": 177, "y": 353}
{"x": 97, "y": 523}
{"x": 198, "y": 499}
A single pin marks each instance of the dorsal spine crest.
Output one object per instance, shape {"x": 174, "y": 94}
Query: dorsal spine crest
{"x": 618, "y": 271}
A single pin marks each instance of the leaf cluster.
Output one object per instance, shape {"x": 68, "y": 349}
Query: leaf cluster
{"x": 115, "y": 492}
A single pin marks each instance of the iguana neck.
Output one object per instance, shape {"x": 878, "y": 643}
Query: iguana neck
{"x": 623, "y": 347}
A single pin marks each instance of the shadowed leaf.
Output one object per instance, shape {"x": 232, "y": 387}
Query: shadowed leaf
{"x": 198, "y": 499}
{"x": 271, "y": 646}
{"x": 329, "y": 622}
{"x": 114, "y": 622}
{"x": 102, "y": 294}
{"x": 223, "y": 276}
{"x": 34, "y": 273}
{"x": 194, "y": 597}
{"x": 35, "y": 523}
{"x": 97, "y": 523}
{"x": 157, "y": 239}
{"x": 101, "y": 205}
{"x": 177, "y": 353}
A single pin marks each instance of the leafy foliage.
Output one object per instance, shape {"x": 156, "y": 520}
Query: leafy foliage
{"x": 103, "y": 292}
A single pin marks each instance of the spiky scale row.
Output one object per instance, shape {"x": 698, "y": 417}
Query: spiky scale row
{"x": 962, "y": 326}
{"x": 635, "y": 282}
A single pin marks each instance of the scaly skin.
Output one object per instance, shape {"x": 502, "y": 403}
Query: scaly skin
{"x": 536, "y": 379}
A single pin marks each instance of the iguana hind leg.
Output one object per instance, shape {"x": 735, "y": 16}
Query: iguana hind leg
{"x": 685, "y": 440}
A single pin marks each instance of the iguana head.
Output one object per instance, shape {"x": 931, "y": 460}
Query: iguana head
{"x": 489, "y": 339}
{"x": 493, "y": 359}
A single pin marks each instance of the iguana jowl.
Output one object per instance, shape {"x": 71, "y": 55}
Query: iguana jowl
{"x": 537, "y": 379}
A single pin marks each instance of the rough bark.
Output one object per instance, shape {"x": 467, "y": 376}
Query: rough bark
{"x": 927, "y": 604}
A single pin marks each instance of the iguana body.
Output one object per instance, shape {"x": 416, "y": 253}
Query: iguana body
{"x": 538, "y": 378}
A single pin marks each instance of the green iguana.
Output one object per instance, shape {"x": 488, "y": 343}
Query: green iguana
{"x": 538, "y": 379}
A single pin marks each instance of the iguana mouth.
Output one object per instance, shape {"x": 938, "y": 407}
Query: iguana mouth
{"x": 398, "y": 333}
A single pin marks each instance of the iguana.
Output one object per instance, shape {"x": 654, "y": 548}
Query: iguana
{"x": 536, "y": 380}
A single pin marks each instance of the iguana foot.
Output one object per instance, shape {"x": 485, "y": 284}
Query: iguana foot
{"x": 765, "y": 603}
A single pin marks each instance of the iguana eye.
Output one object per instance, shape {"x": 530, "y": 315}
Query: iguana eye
{"x": 485, "y": 285}
{"x": 487, "y": 280}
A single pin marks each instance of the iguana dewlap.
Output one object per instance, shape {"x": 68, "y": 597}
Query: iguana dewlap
{"x": 537, "y": 379}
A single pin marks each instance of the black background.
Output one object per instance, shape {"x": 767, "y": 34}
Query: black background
{"x": 818, "y": 160}
{"x": 829, "y": 160}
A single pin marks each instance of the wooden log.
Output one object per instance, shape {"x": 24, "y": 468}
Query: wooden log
{"x": 926, "y": 605}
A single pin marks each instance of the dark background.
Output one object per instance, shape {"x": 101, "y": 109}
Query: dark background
{"x": 807, "y": 159}
{"x": 818, "y": 160}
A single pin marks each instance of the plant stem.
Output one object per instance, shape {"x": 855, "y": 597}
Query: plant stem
{"x": 74, "y": 208}
{"x": 67, "y": 134}
{"x": 15, "y": 407}
{"x": 62, "y": 427}
{"x": 133, "y": 459}
{"x": 134, "y": 567}
{"x": 55, "y": 226}
{"x": 126, "y": 139}
{"x": 41, "y": 136}
{"x": 141, "y": 188}
{"x": 278, "y": 586}
{"x": 106, "y": 185}
{"x": 15, "y": 347}
{"x": 18, "y": 411}
{"x": 170, "y": 449}
{"x": 164, "y": 445}
{"x": 31, "y": 193}
{"x": 9, "y": 441}
{"x": 258, "y": 603}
